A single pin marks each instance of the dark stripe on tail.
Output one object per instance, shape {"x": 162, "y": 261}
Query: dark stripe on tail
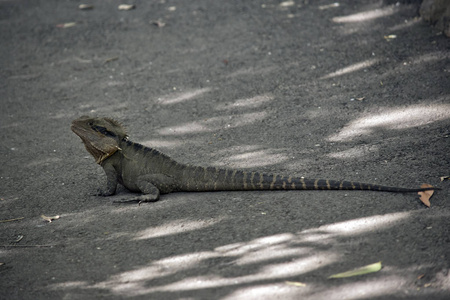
{"x": 215, "y": 179}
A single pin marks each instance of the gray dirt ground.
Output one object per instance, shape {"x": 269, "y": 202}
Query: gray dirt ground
{"x": 265, "y": 85}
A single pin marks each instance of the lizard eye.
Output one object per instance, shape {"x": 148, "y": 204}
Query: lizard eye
{"x": 104, "y": 131}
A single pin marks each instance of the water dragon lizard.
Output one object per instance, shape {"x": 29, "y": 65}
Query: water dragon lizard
{"x": 150, "y": 172}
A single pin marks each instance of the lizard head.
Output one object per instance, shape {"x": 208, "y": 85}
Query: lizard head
{"x": 101, "y": 136}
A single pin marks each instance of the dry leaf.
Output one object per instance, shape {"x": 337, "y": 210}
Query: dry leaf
{"x": 86, "y": 6}
{"x": 335, "y": 4}
{"x": 126, "y": 6}
{"x": 445, "y": 178}
{"x": 420, "y": 276}
{"x": 18, "y": 238}
{"x": 66, "y": 25}
{"x": 159, "y": 23}
{"x": 361, "y": 99}
{"x": 108, "y": 60}
{"x": 390, "y": 37}
{"x": 50, "y": 219}
{"x": 287, "y": 3}
{"x": 295, "y": 283}
{"x": 360, "y": 271}
{"x": 426, "y": 195}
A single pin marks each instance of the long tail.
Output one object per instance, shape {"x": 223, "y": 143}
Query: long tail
{"x": 217, "y": 179}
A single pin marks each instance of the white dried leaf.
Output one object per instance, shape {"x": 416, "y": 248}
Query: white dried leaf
{"x": 126, "y": 6}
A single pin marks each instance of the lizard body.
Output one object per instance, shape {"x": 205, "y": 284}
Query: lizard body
{"x": 150, "y": 172}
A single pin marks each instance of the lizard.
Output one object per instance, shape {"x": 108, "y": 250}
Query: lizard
{"x": 147, "y": 171}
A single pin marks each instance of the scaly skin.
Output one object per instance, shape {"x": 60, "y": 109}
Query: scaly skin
{"x": 150, "y": 172}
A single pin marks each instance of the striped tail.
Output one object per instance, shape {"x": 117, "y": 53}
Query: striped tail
{"x": 217, "y": 179}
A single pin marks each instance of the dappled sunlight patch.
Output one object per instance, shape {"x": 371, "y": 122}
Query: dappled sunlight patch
{"x": 250, "y": 156}
{"x": 255, "y": 158}
{"x": 158, "y": 269}
{"x": 273, "y": 252}
{"x": 271, "y": 258}
{"x": 252, "y": 71}
{"x": 430, "y": 58}
{"x": 356, "y": 226}
{"x": 327, "y": 234}
{"x": 368, "y": 289}
{"x": 158, "y": 143}
{"x": 191, "y": 127}
{"x": 355, "y": 152}
{"x": 366, "y": 15}
{"x": 213, "y": 124}
{"x": 395, "y": 118}
{"x": 188, "y": 260}
{"x": 246, "y": 119}
{"x": 273, "y": 239}
{"x": 266, "y": 291}
{"x": 175, "y": 227}
{"x": 404, "y": 25}
{"x": 133, "y": 283}
{"x": 263, "y": 249}
{"x": 352, "y": 68}
{"x": 182, "y": 96}
{"x": 238, "y": 249}
{"x": 270, "y": 272}
{"x": 252, "y": 102}
{"x": 295, "y": 267}
{"x": 198, "y": 282}
{"x": 68, "y": 285}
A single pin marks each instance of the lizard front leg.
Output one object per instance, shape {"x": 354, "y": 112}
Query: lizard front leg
{"x": 111, "y": 180}
{"x": 151, "y": 186}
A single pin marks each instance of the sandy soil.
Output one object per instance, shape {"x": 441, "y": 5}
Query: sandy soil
{"x": 358, "y": 91}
